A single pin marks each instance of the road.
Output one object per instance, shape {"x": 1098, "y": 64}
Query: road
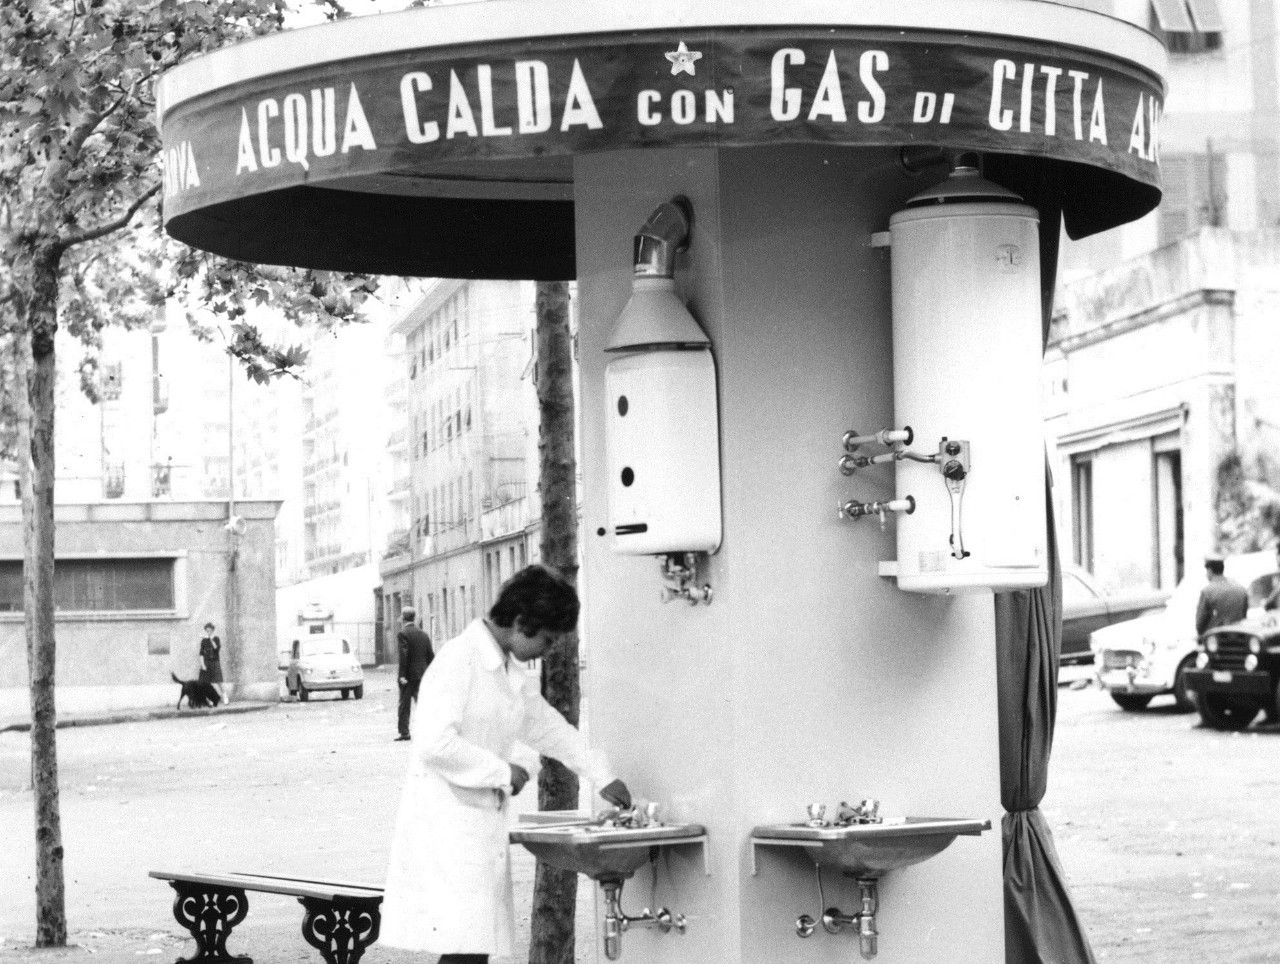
{"x": 1168, "y": 832}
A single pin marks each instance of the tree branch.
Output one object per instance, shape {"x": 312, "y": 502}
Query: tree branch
{"x": 92, "y": 234}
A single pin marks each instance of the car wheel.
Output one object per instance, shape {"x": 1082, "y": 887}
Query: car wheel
{"x": 346, "y": 694}
{"x": 1131, "y": 702}
{"x": 303, "y": 695}
{"x": 358, "y": 692}
{"x": 1224, "y": 713}
{"x": 1182, "y": 701}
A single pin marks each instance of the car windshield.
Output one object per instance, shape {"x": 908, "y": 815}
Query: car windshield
{"x": 1075, "y": 592}
{"x": 324, "y": 646}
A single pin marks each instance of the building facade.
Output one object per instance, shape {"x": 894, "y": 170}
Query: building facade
{"x": 135, "y": 582}
{"x": 1219, "y": 138}
{"x": 466, "y": 452}
{"x": 1159, "y": 397}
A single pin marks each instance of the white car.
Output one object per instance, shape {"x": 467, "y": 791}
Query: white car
{"x": 323, "y": 661}
{"x": 1140, "y": 659}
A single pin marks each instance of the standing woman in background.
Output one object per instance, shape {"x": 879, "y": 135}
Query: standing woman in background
{"x": 211, "y": 660}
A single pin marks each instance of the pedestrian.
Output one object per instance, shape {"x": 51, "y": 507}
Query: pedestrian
{"x": 211, "y": 660}
{"x": 1222, "y": 601}
{"x": 415, "y": 655}
{"x": 448, "y": 888}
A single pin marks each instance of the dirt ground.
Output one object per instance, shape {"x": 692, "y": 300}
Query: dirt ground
{"x": 1168, "y": 832}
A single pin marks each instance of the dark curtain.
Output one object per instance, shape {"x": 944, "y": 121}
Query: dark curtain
{"x": 1040, "y": 924}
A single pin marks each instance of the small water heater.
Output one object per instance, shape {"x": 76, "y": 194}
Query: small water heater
{"x": 662, "y": 429}
{"x": 966, "y": 381}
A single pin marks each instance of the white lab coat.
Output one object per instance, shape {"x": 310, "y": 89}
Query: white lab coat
{"x": 448, "y": 886}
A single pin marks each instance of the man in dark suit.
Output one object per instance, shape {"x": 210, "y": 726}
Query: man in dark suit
{"x": 415, "y": 653}
{"x": 1222, "y": 602}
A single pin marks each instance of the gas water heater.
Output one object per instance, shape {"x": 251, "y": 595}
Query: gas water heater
{"x": 966, "y": 381}
{"x": 662, "y": 429}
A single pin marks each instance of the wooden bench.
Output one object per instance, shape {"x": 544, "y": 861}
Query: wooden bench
{"x": 339, "y": 919}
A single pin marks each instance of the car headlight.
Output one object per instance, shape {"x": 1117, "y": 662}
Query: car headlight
{"x": 1250, "y": 663}
{"x": 1202, "y": 660}
{"x": 1211, "y": 644}
{"x": 1148, "y": 646}
{"x": 1255, "y": 644}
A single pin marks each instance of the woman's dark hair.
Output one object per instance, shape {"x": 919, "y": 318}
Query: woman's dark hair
{"x": 540, "y": 597}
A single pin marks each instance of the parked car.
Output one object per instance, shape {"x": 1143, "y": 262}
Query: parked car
{"x": 323, "y": 661}
{"x": 1237, "y": 670}
{"x": 1087, "y": 608}
{"x": 1140, "y": 659}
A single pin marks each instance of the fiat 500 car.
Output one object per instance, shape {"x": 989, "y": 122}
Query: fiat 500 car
{"x": 323, "y": 662}
{"x": 1137, "y": 660}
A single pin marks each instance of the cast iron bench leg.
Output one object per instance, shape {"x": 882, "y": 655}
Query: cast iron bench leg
{"x": 340, "y": 930}
{"x": 209, "y": 913}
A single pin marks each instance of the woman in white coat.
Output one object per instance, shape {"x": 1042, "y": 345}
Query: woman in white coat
{"x": 448, "y": 887}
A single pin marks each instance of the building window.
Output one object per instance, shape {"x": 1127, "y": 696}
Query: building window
{"x": 1188, "y": 26}
{"x": 161, "y": 480}
{"x": 98, "y": 585}
{"x": 1194, "y": 194}
{"x": 113, "y": 480}
{"x": 112, "y": 376}
{"x": 1082, "y": 511}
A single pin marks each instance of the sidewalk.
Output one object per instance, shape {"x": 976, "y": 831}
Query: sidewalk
{"x": 11, "y": 724}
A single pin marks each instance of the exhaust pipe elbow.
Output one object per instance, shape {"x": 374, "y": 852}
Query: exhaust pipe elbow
{"x": 661, "y": 237}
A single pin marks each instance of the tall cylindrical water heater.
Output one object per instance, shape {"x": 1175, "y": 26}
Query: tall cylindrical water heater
{"x": 966, "y": 379}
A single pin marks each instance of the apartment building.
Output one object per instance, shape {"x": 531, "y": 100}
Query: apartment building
{"x": 1160, "y": 396}
{"x": 466, "y": 451}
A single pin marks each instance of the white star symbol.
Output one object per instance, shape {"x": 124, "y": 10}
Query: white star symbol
{"x": 682, "y": 60}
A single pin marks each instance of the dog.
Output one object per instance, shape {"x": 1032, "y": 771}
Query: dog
{"x": 198, "y": 694}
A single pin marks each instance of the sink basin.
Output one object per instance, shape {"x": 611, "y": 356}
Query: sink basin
{"x": 603, "y": 853}
{"x": 870, "y": 850}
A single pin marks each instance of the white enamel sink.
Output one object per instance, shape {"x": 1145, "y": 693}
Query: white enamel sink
{"x": 870, "y": 850}
{"x": 602, "y": 853}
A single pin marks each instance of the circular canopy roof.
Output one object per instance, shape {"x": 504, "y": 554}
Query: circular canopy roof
{"x": 440, "y": 140}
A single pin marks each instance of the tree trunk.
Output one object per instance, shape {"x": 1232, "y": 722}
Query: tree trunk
{"x": 555, "y": 892}
{"x": 37, "y": 517}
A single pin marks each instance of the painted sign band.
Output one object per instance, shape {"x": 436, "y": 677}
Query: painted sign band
{"x": 529, "y": 99}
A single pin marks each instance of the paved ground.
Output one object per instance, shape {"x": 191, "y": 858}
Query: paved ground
{"x": 305, "y": 788}
{"x": 1169, "y": 832}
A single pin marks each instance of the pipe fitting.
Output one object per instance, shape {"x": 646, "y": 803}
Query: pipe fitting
{"x": 662, "y": 237}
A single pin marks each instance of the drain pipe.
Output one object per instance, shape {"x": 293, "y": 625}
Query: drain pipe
{"x": 616, "y": 921}
{"x": 834, "y": 920}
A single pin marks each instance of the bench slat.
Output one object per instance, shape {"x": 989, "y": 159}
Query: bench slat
{"x": 289, "y": 886}
{"x": 350, "y": 885}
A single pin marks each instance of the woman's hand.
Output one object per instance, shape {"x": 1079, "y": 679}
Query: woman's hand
{"x": 519, "y": 777}
{"x": 616, "y": 792}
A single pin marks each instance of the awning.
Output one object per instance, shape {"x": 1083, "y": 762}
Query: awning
{"x": 455, "y": 159}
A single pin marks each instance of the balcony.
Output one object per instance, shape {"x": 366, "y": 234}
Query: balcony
{"x": 113, "y": 480}
{"x": 161, "y": 481}
{"x": 317, "y": 509}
